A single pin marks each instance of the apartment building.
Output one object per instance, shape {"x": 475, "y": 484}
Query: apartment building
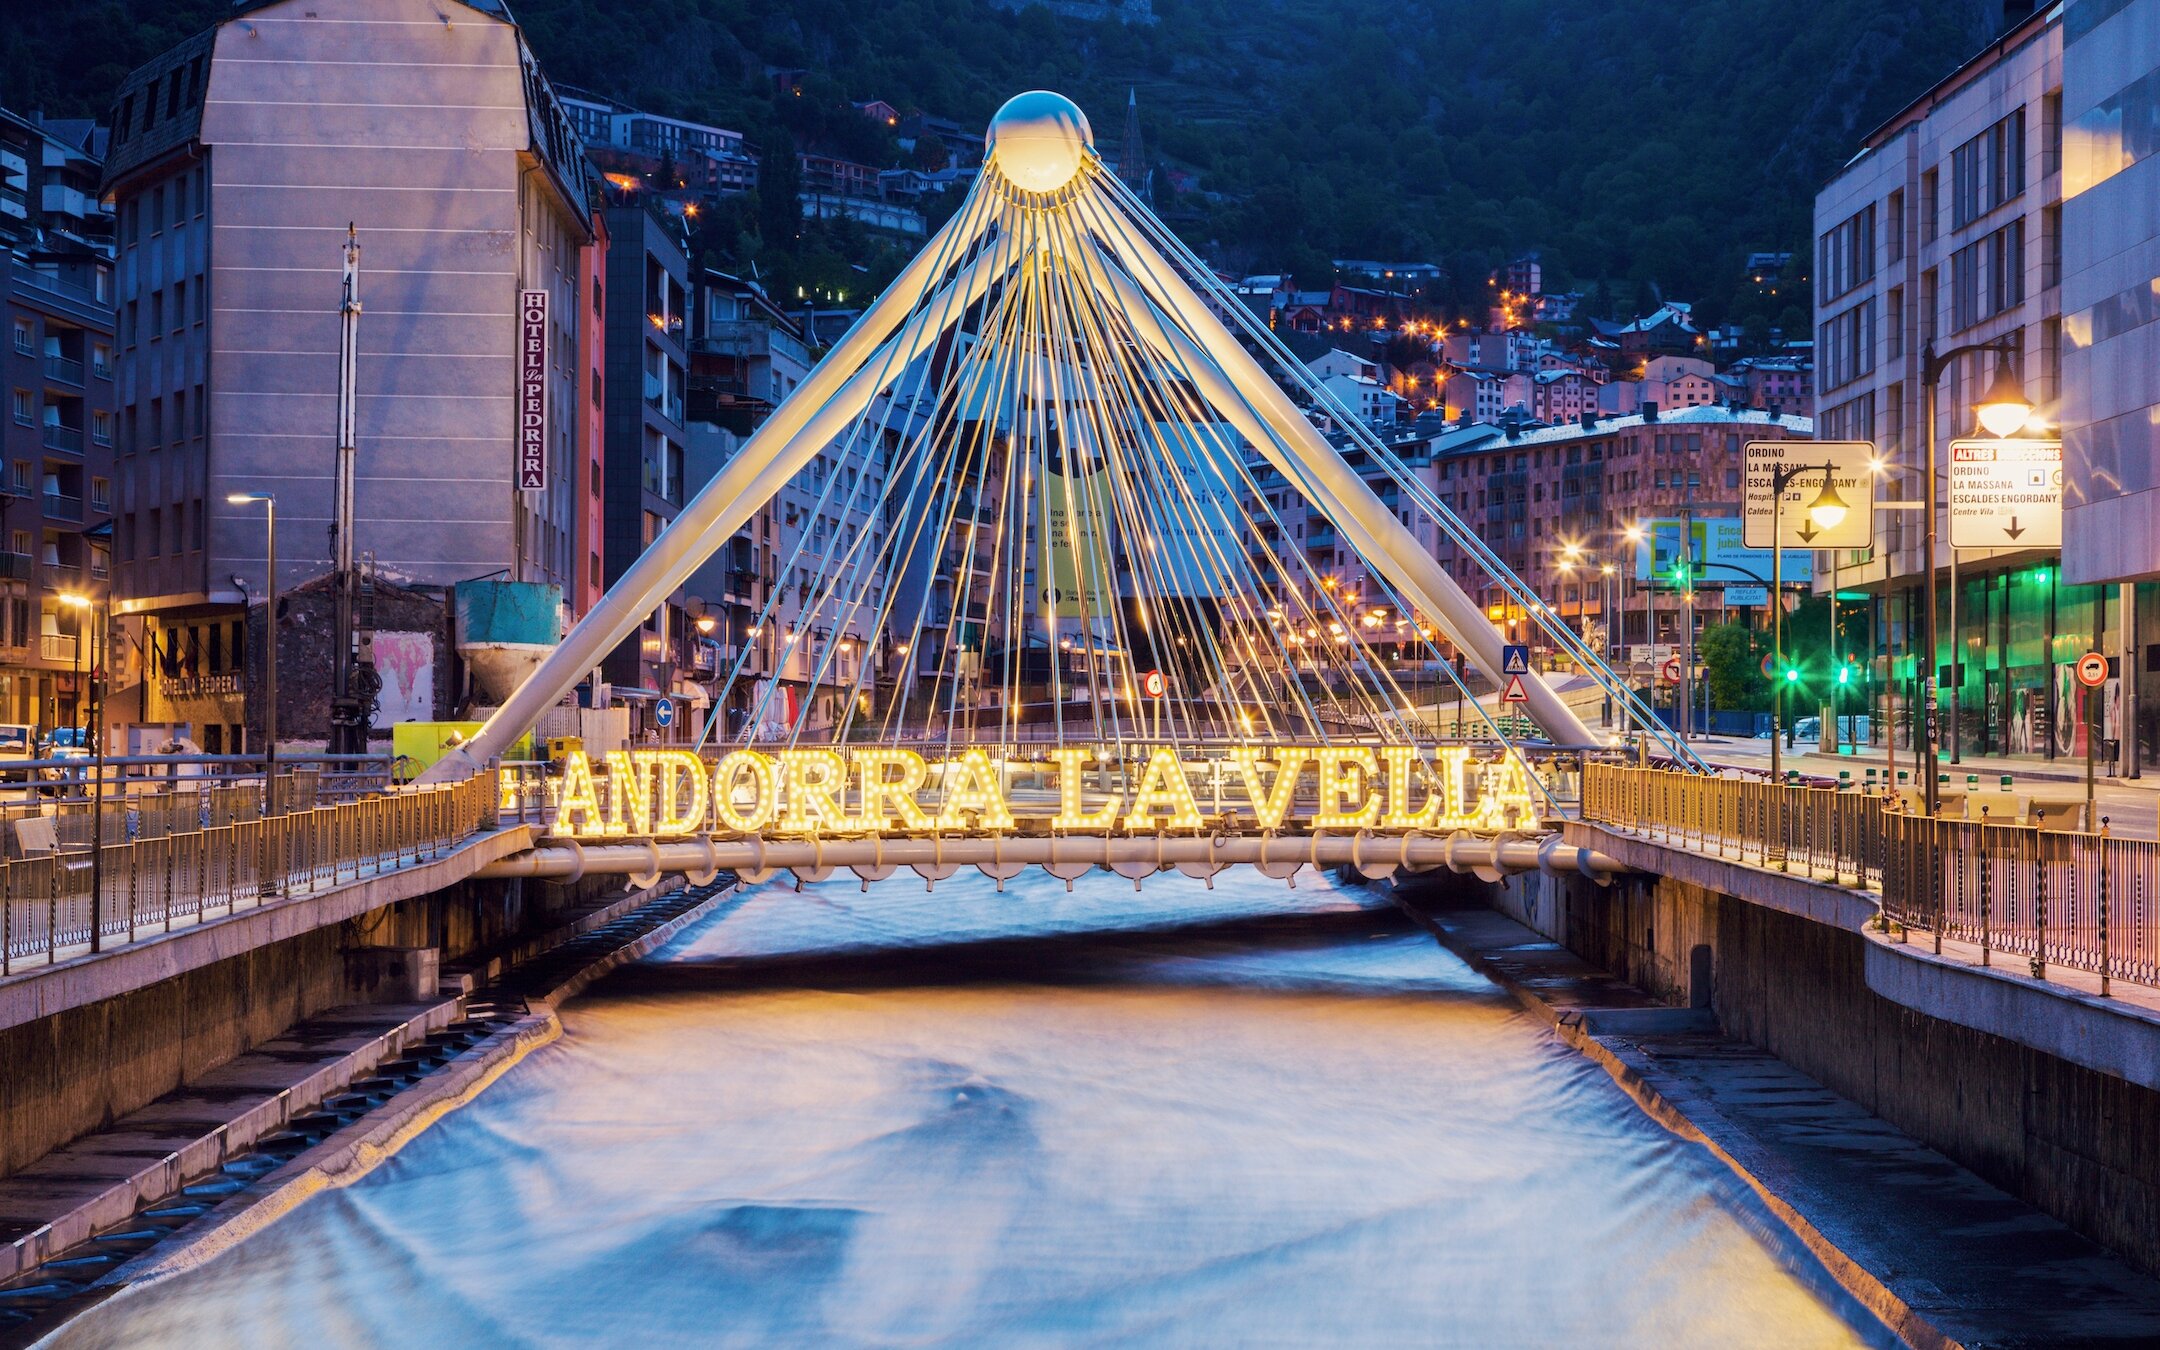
{"x": 237, "y": 162}
{"x": 644, "y": 472}
{"x": 2110, "y": 273}
{"x": 56, "y": 442}
{"x": 1948, "y": 229}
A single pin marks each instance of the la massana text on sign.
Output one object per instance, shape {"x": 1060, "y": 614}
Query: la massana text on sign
{"x": 872, "y": 791}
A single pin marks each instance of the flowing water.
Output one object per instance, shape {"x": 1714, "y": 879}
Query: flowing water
{"x": 892, "y": 1118}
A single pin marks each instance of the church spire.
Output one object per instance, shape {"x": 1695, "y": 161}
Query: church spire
{"x": 1132, "y": 159}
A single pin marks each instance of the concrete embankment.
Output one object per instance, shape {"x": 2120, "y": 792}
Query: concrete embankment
{"x": 291, "y": 1145}
{"x": 1936, "y": 1251}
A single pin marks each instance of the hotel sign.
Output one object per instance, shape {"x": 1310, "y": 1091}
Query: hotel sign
{"x": 870, "y": 791}
{"x": 532, "y": 390}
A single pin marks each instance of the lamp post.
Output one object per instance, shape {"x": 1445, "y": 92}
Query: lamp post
{"x": 2001, "y": 411}
{"x": 86, "y": 622}
{"x": 270, "y": 794}
{"x": 1828, "y": 512}
{"x": 1633, "y": 534}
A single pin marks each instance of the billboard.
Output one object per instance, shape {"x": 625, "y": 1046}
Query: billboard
{"x": 1721, "y": 556}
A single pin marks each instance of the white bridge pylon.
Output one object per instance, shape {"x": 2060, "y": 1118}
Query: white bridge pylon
{"x": 1053, "y": 374}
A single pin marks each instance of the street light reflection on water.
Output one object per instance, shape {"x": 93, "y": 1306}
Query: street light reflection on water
{"x": 837, "y": 1117}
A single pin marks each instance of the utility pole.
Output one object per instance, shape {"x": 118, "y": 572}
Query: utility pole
{"x": 349, "y": 715}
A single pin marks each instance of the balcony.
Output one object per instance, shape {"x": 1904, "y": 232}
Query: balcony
{"x": 17, "y": 567}
{"x": 60, "y": 506}
{"x": 69, "y": 439}
{"x": 58, "y": 647}
{"x": 60, "y": 370}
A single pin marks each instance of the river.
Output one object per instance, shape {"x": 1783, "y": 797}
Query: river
{"x": 897, "y": 1118}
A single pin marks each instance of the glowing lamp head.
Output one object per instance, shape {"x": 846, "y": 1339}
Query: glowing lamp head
{"x": 2005, "y": 408}
{"x": 1828, "y": 509}
{"x": 1039, "y": 140}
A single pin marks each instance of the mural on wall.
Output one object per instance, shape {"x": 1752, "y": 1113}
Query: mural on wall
{"x": 406, "y": 662}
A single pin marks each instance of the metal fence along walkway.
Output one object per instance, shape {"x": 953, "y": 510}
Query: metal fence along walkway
{"x": 2067, "y": 898}
{"x": 155, "y": 882}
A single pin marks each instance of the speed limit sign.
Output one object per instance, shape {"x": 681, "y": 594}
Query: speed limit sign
{"x": 2092, "y": 670}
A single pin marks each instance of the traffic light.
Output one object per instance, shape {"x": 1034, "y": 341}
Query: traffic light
{"x": 1792, "y": 675}
{"x": 1844, "y": 674}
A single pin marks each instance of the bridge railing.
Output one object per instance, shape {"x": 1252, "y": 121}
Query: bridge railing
{"x": 2066, "y": 898}
{"x": 152, "y": 884}
{"x": 2052, "y": 897}
{"x": 1823, "y": 832}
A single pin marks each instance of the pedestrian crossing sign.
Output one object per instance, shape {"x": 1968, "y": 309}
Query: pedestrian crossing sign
{"x": 1515, "y": 659}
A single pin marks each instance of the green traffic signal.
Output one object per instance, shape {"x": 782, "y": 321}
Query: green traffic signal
{"x": 1792, "y": 675}
{"x": 1844, "y": 674}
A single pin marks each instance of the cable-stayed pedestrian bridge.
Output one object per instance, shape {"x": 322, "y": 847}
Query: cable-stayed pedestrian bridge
{"x": 1061, "y": 572}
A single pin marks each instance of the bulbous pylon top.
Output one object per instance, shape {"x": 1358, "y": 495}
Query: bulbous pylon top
{"x": 1039, "y": 140}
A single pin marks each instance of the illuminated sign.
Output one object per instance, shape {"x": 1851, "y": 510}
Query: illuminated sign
{"x": 532, "y": 390}
{"x": 857, "y": 791}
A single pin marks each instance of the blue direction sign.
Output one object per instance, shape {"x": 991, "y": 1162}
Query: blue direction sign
{"x": 663, "y": 713}
{"x": 1515, "y": 659}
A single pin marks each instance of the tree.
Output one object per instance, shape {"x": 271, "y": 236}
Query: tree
{"x": 1733, "y": 665}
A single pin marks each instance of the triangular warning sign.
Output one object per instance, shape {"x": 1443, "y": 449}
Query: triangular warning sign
{"x": 1515, "y": 693}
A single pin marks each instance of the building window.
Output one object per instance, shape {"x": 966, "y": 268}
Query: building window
{"x": 1987, "y": 276}
{"x": 20, "y": 481}
{"x": 2051, "y": 133}
{"x": 101, "y": 359}
{"x": 1987, "y": 170}
{"x": 1894, "y": 226}
{"x": 25, "y": 408}
{"x": 1930, "y": 205}
{"x": 101, "y": 494}
{"x": 1845, "y": 346}
{"x": 25, "y": 337}
{"x": 2051, "y": 246}
{"x": 101, "y": 428}
{"x": 2115, "y": 134}
{"x": 1847, "y": 254}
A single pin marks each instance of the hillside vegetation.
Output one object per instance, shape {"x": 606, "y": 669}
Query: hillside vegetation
{"x": 1642, "y": 142}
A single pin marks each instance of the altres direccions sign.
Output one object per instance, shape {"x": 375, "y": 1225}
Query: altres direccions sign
{"x": 890, "y": 790}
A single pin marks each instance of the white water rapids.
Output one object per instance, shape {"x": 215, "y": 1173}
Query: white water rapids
{"x": 892, "y": 1118}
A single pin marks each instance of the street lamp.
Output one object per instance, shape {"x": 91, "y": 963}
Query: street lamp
{"x": 86, "y": 617}
{"x": 270, "y": 795}
{"x": 2005, "y": 406}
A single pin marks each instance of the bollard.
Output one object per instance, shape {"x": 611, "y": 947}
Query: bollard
{"x": 1985, "y": 885}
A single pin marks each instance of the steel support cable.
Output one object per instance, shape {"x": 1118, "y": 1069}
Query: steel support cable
{"x": 1457, "y": 530}
{"x": 1172, "y": 338}
{"x": 910, "y": 329}
{"x": 1101, "y": 277}
{"x": 1127, "y": 354}
{"x": 1175, "y": 486}
{"x": 823, "y": 589}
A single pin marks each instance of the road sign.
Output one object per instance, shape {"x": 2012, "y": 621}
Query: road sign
{"x": 1851, "y": 477}
{"x": 1515, "y": 659}
{"x": 1514, "y": 693}
{"x": 1721, "y": 555}
{"x": 1749, "y": 597}
{"x": 1152, "y": 683}
{"x": 1671, "y": 671}
{"x": 663, "y": 713}
{"x": 2092, "y": 670}
{"x": 2006, "y": 494}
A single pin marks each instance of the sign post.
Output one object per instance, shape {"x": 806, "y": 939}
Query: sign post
{"x": 2006, "y": 494}
{"x": 2092, "y": 672}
